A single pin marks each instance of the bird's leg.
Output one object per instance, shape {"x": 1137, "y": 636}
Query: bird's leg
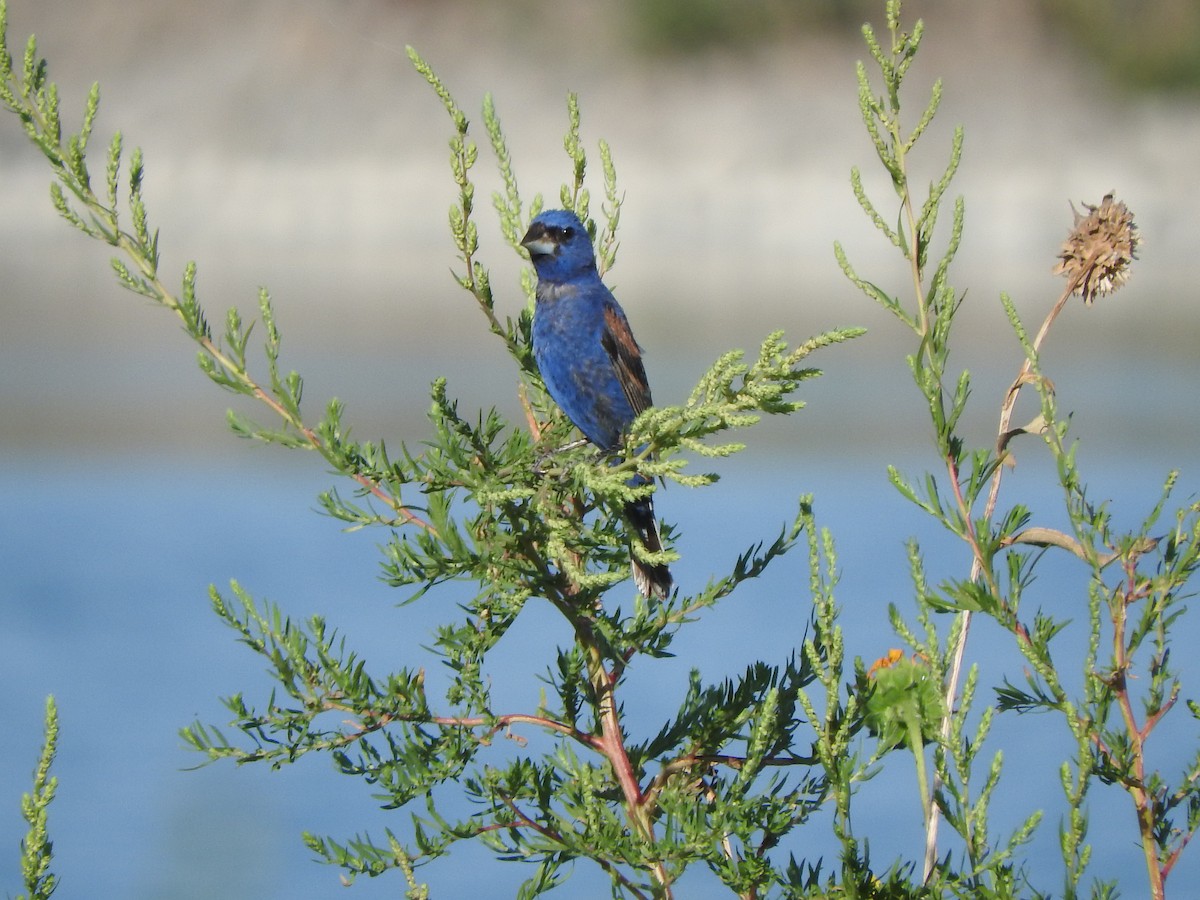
{"x": 539, "y": 467}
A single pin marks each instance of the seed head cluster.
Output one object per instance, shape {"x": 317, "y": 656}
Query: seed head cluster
{"x": 1097, "y": 253}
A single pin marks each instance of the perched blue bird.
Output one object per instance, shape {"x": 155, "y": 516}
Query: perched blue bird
{"x": 589, "y": 361}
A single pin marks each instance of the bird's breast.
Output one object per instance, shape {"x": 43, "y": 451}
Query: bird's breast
{"x": 552, "y": 293}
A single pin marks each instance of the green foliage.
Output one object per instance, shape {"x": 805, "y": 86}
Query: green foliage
{"x": 516, "y": 513}
{"x": 663, "y": 26}
{"x": 37, "y": 851}
{"x": 1132, "y": 581}
{"x": 1136, "y": 47}
{"x": 493, "y": 504}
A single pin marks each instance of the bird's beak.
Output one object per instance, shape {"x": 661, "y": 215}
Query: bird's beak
{"x": 538, "y": 242}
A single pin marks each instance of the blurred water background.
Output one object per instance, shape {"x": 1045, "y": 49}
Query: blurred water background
{"x": 290, "y": 145}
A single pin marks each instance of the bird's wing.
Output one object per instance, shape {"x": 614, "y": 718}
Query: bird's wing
{"x": 626, "y": 357}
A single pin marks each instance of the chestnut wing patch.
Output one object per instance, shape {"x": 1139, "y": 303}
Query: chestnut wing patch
{"x": 626, "y": 357}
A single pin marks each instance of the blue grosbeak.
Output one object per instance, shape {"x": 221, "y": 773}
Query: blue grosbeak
{"x": 589, "y": 361}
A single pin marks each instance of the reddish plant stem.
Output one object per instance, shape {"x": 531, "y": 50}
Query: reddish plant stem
{"x": 523, "y": 821}
{"x": 1143, "y": 800}
{"x": 1003, "y": 436}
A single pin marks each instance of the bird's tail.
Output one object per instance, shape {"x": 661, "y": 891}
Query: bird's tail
{"x": 652, "y": 580}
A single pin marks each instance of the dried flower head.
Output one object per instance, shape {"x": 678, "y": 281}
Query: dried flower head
{"x": 1096, "y": 254}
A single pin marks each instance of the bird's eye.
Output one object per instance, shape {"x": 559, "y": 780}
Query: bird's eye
{"x": 567, "y": 233}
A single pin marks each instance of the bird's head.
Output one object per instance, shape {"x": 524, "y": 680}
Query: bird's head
{"x": 559, "y": 246}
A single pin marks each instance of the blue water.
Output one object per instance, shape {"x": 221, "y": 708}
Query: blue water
{"x": 103, "y": 603}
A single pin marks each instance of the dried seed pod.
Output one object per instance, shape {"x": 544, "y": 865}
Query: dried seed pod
{"x": 1097, "y": 253}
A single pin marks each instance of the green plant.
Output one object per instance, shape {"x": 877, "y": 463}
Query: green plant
{"x": 729, "y": 780}
{"x": 1134, "y": 582}
{"x": 489, "y": 503}
{"x": 37, "y": 851}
